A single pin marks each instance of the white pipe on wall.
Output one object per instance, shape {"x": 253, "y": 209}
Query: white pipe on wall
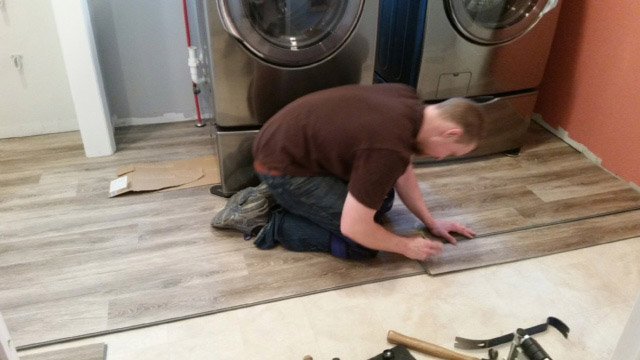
{"x": 194, "y": 62}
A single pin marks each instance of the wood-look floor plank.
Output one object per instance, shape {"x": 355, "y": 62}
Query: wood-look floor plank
{"x": 483, "y": 222}
{"x": 518, "y": 245}
{"x": 580, "y": 207}
{"x": 57, "y": 319}
{"x": 505, "y": 171}
{"x": 576, "y": 186}
{"x": 84, "y": 352}
{"x": 27, "y": 250}
{"x": 273, "y": 274}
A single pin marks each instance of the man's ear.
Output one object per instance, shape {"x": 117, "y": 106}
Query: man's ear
{"x": 453, "y": 133}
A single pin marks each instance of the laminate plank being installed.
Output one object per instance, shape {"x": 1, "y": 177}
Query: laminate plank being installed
{"x": 75, "y": 263}
{"x": 545, "y": 240}
{"x": 85, "y": 352}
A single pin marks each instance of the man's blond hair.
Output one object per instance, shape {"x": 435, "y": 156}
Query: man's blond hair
{"x": 465, "y": 113}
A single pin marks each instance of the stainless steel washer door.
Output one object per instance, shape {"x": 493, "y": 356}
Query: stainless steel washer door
{"x": 291, "y": 33}
{"x": 493, "y": 22}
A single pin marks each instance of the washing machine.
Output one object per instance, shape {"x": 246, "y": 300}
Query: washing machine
{"x": 267, "y": 53}
{"x": 492, "y": 51}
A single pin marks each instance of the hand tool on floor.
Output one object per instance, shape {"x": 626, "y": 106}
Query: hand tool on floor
{"x": 462, "y": 343}
{"x": 432, "y": 349}
{"x": 523, "y": 346}
{"x": 396, "y": 353}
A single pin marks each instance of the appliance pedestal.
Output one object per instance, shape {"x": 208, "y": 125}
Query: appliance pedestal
{"x": 235, "y": 160}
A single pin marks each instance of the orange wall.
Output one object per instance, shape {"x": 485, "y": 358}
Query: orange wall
{"x": 591, "y": 86}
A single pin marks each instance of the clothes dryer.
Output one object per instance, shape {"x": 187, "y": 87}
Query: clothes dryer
{"x": 267, "y": 53}
{"x": 493, "y": 51}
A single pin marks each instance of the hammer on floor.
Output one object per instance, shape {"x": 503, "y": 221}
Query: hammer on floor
{"x": 432, "y": 349}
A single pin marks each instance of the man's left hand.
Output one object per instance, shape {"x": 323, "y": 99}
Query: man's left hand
{"x": 443, "y": 229}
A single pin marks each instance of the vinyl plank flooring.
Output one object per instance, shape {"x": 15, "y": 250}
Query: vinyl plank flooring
{"x": 483, "y": 222}
{"x": 17, "y": 180}
{"x": 57, "y": 319}
{"x": 443, "y": 201}
{"x": 19, "y": 147}
{"x": 84, "y": 352}
{"x": 550, "y": 183}
{"x": 273, "y": 274}
{"x": 493, "y": 172}
{"x": 38, "y": 248}
{"x": 60, "y": 216}
{"x": 579, "y": 207}
{"x": 527, "y": 204}
{"x": 75, "y": 262}
{"x": 518, "y": 245}
{"x": 576, "y": 186}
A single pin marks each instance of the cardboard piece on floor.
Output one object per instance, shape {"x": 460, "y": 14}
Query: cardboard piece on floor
{"x": 171, "y": 175}
{"x": 152, "y": 179}
{"x": 210, "y": 168}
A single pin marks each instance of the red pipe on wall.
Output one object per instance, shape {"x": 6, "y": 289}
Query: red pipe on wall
{"x": 185, "y": 12}
{"x": 196, "y": 90}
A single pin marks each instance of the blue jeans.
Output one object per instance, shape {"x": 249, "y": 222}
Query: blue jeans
{"x": 308, "y": 218}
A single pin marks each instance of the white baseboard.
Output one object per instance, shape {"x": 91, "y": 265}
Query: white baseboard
{"x": 166, "y": 118}
{"x": 564, "y": 136}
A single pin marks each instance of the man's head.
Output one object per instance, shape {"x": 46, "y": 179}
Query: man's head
{"x": 451, "y": 128}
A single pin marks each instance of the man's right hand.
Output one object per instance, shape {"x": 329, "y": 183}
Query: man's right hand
{"x": 358, "y": 225}
{"x": 420, "y": 248}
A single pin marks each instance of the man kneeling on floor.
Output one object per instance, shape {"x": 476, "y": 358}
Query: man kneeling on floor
{"x": 331, "y": 161}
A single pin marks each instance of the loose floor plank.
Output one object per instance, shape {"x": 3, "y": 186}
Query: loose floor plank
{"x": 85, "y": 352}
{"x": 545, "y": 240}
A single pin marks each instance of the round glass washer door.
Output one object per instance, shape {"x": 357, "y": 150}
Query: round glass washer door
{"x": 492, "y": 22}
{"x": 291, "y": 33}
